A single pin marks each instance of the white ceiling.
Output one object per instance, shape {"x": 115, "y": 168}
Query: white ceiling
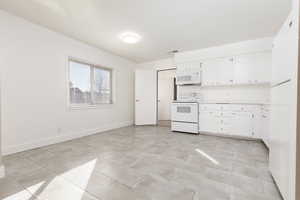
{"x": 164, "y": 25}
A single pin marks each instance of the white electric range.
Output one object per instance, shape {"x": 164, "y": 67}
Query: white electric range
{"x": 185, "y": 117}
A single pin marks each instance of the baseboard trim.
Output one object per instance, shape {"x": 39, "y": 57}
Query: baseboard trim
{"x": 62, "y": 138}
{"x": 2, "y": 171}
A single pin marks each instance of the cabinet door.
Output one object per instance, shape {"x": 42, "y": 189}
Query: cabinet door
{"x": 208, "y": 122}
{"x": 284, "y": 53}
{"x": 265, "y": 122}
{"x": 210, "y": 72}
{"x": 253, "y": 68}
{"x": 243, "y": 124}
{"x": 226, "y": 71}
{"x": 218, "y": 72}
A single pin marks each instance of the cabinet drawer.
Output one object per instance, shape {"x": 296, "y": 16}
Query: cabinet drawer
{"x": 215, "y": 107}
{"x": 229, "y": 107}
{"x": 210, "y": 107}
{"x": 227, "y": 114}
{"x": 184, "y": 127}
{"x": 209, "y": 114}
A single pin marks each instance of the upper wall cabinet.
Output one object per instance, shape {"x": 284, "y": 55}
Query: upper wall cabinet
{"x": 243, "y": 69}
{"x": 188, "y": 73}
{"x": 218, "y": 72}
{"x": 283, "y": 46}
{"x": 253, "y": 68}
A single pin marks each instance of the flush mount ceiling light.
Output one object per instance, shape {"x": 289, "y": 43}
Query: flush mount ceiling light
{"x": 130, "y": 37}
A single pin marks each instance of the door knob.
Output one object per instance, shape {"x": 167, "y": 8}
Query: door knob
{"x": 137, "y": 100}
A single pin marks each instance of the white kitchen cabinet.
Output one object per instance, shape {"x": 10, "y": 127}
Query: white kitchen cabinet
{"x": 265, "y": 124}
{"x": 237, "y": 124}
{"x": 281, "y": 137}
{"x": 218, "y": 72}
{"x": 226, "y": 122}
{"x": 243, "y": 124}
{"x": 226, "y": 71}
{"x": 253, "y": 68}
{"x": 283, "y": 55}
{"x": 208, "y": 121}
{"x": 210, "y": 73}
{"x": 283, "y": 120}
{"x": 230, "y": 119}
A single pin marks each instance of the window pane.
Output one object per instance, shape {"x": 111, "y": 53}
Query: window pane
{"x": 80, "y": 83}
{"x": 102, "y": 90}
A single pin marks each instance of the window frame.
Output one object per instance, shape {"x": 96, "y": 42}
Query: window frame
{"x": 92, "y": 85}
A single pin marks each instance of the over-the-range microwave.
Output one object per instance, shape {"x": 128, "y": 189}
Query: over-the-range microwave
{"x": 188, "y": 74}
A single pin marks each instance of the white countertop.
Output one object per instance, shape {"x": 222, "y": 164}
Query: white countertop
{"x": 242, "y": 103}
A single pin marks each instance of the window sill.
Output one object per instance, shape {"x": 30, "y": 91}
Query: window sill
{"x": 90, "y": 107}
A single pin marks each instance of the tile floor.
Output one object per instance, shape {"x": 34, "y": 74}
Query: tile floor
{"x": 166, "y": 123}
{"x": 141, "y": 163}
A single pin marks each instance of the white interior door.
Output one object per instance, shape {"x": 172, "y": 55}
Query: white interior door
{"x": 145, "y": 97}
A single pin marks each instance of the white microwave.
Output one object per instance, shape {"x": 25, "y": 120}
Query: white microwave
{"x": 188, "y": 74}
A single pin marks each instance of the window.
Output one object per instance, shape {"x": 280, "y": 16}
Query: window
{"x": 89, "y": 84}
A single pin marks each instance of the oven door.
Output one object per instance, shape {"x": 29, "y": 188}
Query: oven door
{"x": 185, "y": 112}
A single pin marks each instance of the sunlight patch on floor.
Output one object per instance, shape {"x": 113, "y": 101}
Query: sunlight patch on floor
{"x": 214, "y": 161}
{"x": 56, "y": 187}
{"x": 82, "y": 173}
{"x": 19, "y": 195}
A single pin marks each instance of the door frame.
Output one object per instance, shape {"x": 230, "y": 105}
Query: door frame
{"x": 2, "y": 168}
{"x": 157, "y": 71}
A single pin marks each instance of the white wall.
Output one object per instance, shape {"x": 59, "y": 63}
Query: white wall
{"x": 243, "y": 47}
{"x": 33, "y": 62}
{"x": 158, "y": 64}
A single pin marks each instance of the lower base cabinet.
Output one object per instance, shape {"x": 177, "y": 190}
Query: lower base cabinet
{"x": 208, "y": 122}
{"x": 233, "y": 120}
{"x": 265, "y": 125}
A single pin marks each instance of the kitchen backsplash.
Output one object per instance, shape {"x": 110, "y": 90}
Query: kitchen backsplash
{"x": 233, "y": 94}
